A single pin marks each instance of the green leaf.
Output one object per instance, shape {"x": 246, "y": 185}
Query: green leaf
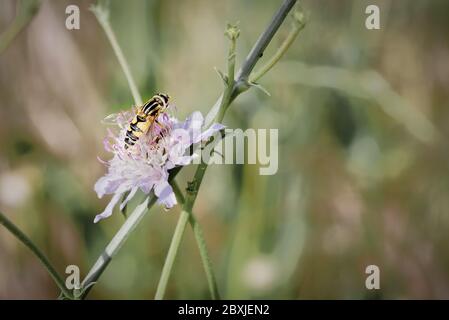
{"x": 222, "y": 76}
{"x": 260, "y": 87}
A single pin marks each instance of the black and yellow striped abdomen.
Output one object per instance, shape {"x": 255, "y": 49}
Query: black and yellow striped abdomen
{"x": 137, "y": 127}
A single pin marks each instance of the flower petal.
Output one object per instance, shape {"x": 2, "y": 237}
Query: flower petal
{"x": 209, "y": 132}
{"x": 146, "y": 186}
{"x": 184, "y": 160}
{"x": 146, "y": 165}
{"x": 109, "y": 208}
{"x": 165, "y": 194}
{"x": 194, "y": 121}
{"x": 129, "y": 197}
{"x": 106, "y": 185}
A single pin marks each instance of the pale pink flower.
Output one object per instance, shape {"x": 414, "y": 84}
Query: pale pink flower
{"x": 145, "y": 165}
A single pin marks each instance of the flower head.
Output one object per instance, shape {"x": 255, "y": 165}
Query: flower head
{"x": 145, "y": 165}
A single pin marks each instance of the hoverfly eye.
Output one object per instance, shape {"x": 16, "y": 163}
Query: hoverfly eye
{"x": 165, "y": 97}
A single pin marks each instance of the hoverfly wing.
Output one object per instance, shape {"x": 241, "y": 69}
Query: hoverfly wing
{"x": 121, "y": 118}
{"x": 110, "y": 119}
{"x": 172, "y": 110}
{"x": 136, "y": 109}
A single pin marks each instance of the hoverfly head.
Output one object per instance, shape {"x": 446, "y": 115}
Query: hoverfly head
{"x": 165, "y": 98}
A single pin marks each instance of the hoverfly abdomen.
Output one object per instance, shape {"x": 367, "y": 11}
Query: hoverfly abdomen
{"x": 134, "y": 127}
{"x": 131, "y": 135}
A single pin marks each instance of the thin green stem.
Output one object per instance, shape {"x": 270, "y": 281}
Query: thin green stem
{"x": 101, "y": 12}
{"x": 192, "y": 192}
{"x": 298, "y": 25}
{"x": 205, "y": 258}
{"x": 115, "y": 244}
{"x": 178, "y": 192}
{"x": 193, "y": 187}
{"x": 265, "y": 38}
{"x": 171, "y": 255}
{"x": 233, "y": 33}
{"x": 42, "y": 258}
{"x": 202, "y": 247}
{"x": 124, "y": 210}
{"x": 241, "y": 79}
{"x": 27, "y": 9}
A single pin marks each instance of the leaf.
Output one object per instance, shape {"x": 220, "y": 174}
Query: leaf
{"x": 222, "y": 76}
{"x": 260, "y": 87}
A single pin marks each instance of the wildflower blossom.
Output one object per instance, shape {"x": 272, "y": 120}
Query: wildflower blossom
{"x": 145, "y": 166}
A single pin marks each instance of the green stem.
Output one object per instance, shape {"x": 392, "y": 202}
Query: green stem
{"x": 233, "y": 34}
{"x": 192, "y": 192}
{"x": 102, "y": 14}
{"x": 265, "y": 38}
{"x": 205, "y": 258}
{"x": 124, "y": 211}
{"x": 179, "y": 231}
{"x": 114, "y": 246}
{"x": 27, "y": 9}
{"x": 241, "y": 79}
{"x": 27, "y": 242}
{"x": 193, "y": 187}
{"x": 171, "y": 255}
{"x": 202, "y": 247}
{"x": 298, "y": 25}
{"x": 178, "y": 192}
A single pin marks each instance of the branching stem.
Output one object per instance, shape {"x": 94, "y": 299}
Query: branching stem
{"x": 298, "y": 24}
{"x": 232, "y": 90}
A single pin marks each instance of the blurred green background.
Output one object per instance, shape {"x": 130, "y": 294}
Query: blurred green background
{"x": 363, "y": 155}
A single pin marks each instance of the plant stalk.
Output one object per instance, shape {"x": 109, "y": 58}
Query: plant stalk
{"x": 102, "y": 14}
{"x": 202, "y": 247}
{"x": 232, "y": 90}
{"x": 298, "y": 24}
{"x": 241, "y": 81}
{"x": 115, "y": 244}
{"x": 42, "y": 258}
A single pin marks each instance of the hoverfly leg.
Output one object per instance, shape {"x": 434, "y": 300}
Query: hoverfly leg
{"x": 163, "y": 128}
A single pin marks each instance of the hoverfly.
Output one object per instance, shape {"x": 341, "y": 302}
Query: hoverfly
{"x": 146, "y": 115}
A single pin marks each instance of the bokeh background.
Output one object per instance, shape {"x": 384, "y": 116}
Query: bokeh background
{"x": 363, "y": 156}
